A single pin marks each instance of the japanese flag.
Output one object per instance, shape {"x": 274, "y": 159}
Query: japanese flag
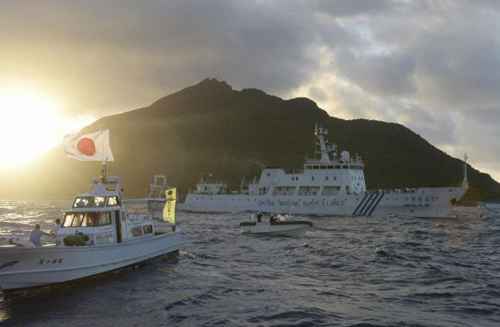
{"x": 89, "y": 147}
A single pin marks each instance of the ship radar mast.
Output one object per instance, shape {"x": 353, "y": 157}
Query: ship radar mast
{"x": 326, "y": 150}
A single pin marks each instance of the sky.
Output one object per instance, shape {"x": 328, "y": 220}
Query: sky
{"x": 432, "y": 65}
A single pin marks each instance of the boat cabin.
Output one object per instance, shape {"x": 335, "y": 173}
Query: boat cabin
{"x": 98, "y": 218}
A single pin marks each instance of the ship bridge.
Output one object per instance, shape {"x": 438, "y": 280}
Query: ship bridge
{"x": 328, "y": 174}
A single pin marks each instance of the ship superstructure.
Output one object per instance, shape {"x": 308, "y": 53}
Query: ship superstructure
{"x": 333, "y": 183}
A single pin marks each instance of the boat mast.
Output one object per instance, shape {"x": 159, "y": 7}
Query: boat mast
{"x": 321, "y": 134}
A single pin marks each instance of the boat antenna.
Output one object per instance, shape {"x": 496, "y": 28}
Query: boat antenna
{"x": 465, "y": 182}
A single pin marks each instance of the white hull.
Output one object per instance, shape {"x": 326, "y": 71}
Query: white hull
{"x": 276, "y": 229}
{"x": 423, "y": 202}
{"x": 33, "y": 267}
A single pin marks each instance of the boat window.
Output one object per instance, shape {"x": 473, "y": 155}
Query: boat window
{"x": 148, "y": 229}
{"x": 93, "y": 219}
{"x": 89, "y": 202}
{"x": 99, "y": 201}
{"x": 68, "y": 219}
{"x": 104, "y": 218}
{"x": 89, "y": 219}
{"x": 82, "y": 202}
{"x": 113, "y": 201}
{"x": 77, "y": 220}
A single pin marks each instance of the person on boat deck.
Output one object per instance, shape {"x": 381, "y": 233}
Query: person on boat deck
{"x": 259, "y": 217}
{"x": 36, "y": 235}
{"x": 56, "y": 227}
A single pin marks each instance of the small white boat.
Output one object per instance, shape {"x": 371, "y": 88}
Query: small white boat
{"x": 274, "y": 225}
{"x": 97, "y": 235}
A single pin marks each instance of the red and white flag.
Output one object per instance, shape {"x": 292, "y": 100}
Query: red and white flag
{"x": 89, "y": 147}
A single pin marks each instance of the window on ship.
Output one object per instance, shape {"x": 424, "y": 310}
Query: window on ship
{"x": 113, "y": 201}
{"x": 89, "y": 202}
{"x": 87, "y": 219}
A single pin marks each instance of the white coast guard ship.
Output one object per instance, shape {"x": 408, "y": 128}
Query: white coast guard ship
{"x": 332, "y": 185}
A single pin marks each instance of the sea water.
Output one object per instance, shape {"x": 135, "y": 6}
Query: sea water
{"x": 376, "y": 271}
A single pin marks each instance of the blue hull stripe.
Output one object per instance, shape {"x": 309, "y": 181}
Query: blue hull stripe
{"x": 370, "y": 196}
{"x": 359, "y": 205}
{"x": 370, "y": 204}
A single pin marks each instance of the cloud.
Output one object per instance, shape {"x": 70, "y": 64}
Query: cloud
{"x": 432, "y": 65}
{"x": 343, "y": 8}
{"x": 122, "y": 53}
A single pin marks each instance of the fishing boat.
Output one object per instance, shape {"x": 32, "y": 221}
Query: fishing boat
{"x": 274, "y": 225}
{"x": 160, "y": 202}
{"x": 97, "y": 235}
{"x": 332, "y": 184}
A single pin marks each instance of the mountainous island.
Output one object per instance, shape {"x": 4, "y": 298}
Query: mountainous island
{"x": 209, "y": 128}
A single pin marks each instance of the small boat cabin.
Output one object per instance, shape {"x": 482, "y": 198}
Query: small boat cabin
{"x": 99, "y": 218}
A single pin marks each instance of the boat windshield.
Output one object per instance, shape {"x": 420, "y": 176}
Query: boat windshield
{"x": 87, "y": 219}
{"x": 113, "y": 201}
{"x": 89, "y": 202}
{"x": 96, "y": 201}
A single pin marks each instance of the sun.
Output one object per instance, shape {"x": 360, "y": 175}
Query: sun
{"x": 31, "y": 123}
